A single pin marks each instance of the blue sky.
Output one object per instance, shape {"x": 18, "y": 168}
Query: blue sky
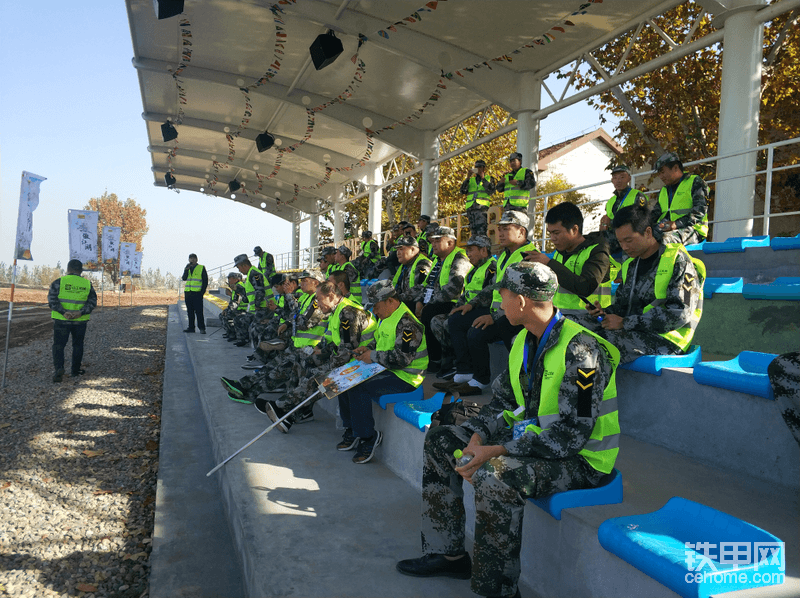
{"x": 71, "y": 111}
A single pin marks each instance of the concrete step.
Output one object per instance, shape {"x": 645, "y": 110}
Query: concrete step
{"x": 755, "y": 264}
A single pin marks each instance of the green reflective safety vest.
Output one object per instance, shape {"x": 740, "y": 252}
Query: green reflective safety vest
{"x": 628, "y": 200}
{"x": 515, "y": 196}
{"x": 385, "y": 337}
{"x": 73, "y": 292}
{"x": 355, "y": 285}
{"x": 312, "y": 336}
{"x": 444, "y": 273}
{"x": 477, "y": 193}
{"x": 411, "y": 269}
{"x": 194, "y": 282}
{"x": 250, "y": 291}
{"x": 567, "y": 301}
{"x": 603, "y": 445}
{"x": 475, "y": 279}
{"x": 262, "y": 265}
{"x": 504, "y": 262}
{"x": 666, "y": 265}
{"x": 681, "y": 204}
{"x": 369, "y": 250}
{"x": 240, "y": 290}
{"x": 333, "y": 332}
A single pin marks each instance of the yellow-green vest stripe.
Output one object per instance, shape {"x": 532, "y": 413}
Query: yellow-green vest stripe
{"x": 73, "y": 292}
{"x": 476, "y": 278}
{"x": 603, "y": 445}
{"x": 312, "y": 336}
{"x": 333, "y": 332}
{"x": 250, "y": 292}
{"x": 502, "y": 264}
{"x": 514, "y": 195}
{"x": 568, "y": 301}
{"x": 386, "y": 335}
{"x": 444, "y": 273}
{"x": 629, "y": 200}
{"x": 411, "y": 270}
{"x": 681, "y": 204}
{"x": 477, "y": 194}
{"x": 194, "y": 282}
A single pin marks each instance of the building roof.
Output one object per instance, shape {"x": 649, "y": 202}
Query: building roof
{"x": 549, "y": 154}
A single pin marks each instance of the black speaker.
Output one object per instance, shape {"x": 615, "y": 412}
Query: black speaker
{"x": 234, "y": 186}
{"x": 264, "y": 141}
{"x": 167, "y": 8}
{"x": 169, "y": 180}
{"x": 168, "y": 132}
{"x": 325, "y": 49}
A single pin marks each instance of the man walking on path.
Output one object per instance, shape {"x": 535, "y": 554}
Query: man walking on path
{"x": 71, "y": 299}
{"x": 196, "y": 279}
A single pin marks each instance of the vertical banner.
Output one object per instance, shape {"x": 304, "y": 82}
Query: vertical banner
{"x": 28, "y": 201}
{"x": 83, "y": 237}
{"x": 126, "y": 257}
{"x": 110, "y": 242}
{"x": 136, "y": 271}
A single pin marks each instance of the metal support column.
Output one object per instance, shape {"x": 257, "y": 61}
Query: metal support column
{"x": 313, "y": 240}
{"x": 295, "y": 261}
{"x": 528, "y": 127}
{"x": 430, "y": 176}
{"x": 740, "y": 95}
{"x": 338, "y": 223}
{"x": 374, "y": 180}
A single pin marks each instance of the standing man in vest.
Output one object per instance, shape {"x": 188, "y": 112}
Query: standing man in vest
{"x": 478, "y": 188}
{"x": 516, "y": 185}
{"x": 552, "y": 426}
{"x": 660, "y": 301}
{"x": 623, "y": 196}
{"x": 683, "y": 202}
{"x": 71, "y": 299}
{"x": 413, "y": 270}
{"x": 399, "y": 346}
{"x": 196, "y": 279}
{"x": 471, "y": 336}
{"x": 443, "y": 286}
{"x": 266, "y": 263}
{"x": 256, "y": 299}
{"x": 580, "y": 263}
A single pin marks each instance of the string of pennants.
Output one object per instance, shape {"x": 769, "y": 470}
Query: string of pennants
{"x": 186, "y": 58}
{"x": 414, "y": 17}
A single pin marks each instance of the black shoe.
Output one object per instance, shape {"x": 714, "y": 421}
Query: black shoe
{"x": 434, "y": 366}
{"x": 348, "y": 442}
{"x": 271, "y": 410}
{"x": 233, "y": 387}
{"x": 78, "y": 372}
{"x": 244, "y": 399}
{"x": 252, "y": 357}
{"x": 436, "y": 565}
{"x": 304, "y": 415}
{"x": 242, "y": 343}
{"x": 446, "y": 374}
{"x": 253, "y": 365}
{"x": 188, "y": 329}
{"x": 366, "y": 448}
{"x": 232, "y": 339}
{"x": 59, "y": 375}
{"x": 202, "y": 331}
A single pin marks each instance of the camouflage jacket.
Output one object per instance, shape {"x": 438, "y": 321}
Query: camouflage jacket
{"x": 452, "y": 289}
{"x": 403, "y": 288}
{"x": 352, "y": 273}
{"x": 353, "y": 323}
{"x": 485, "y": 296}
{"x": 404, "y": 351}
{"x": 238, "y": 296}
{"x": 578, "y": 410}
{"x": 683, "y": 297}
{"x": 699, "y": 202}
{"x": 309, "y": 317}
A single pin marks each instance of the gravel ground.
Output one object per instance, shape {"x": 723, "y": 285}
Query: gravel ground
{"x": 79, "y": 461}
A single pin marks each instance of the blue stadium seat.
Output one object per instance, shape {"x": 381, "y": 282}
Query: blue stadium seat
{"x": 780, "y": 243}
{"x": 696, "y": 246}
{"x": 414, "y": 395}
{"x": 786, "y": 288}
{"x": 747, "y": 373}
{"x": 418, "y": 413}
{"x": 736, "y": 244}
{"x": 722, "y": 285}
{"x": 683, "y": 539}
{"x": 652, "y": 364}
{"x": 608, "y": 493}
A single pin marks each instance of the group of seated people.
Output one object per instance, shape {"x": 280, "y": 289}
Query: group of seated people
{"x": 552, "y": 423}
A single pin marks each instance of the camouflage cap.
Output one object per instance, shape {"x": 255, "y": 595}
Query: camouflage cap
{"x": 515, "y": 156}
{"x": 480, "y": 241}
{"x": 277, "y": 279}
{"x": 344, "y": 250}
{"x": 621, "y": 168}
{"x": 530, "y": 279}
{"x": 329, "y": 250}
{"x": 315, "y": 274}
{"x": 234, "y": 275}
{"x": 257, "y": 249}
{"x": 668, "y": 158}
{"x": 366, "y": 234}
{"x": 443, "y": 231}
{"x": 407, "y": 241}
{"x": 240, "y": 259}
{"x": 480, "y": 163}
{"x": 424, "y": 217}
{"x": 380, "y": 290}
{"x": 514, "y": 217}
{"x": 396, "y": 227}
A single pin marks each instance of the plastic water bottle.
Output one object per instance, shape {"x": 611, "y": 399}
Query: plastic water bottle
{"x": 461, "y": 458}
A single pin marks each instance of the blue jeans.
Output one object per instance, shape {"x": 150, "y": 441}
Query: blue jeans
{"x": 355, "y": 404}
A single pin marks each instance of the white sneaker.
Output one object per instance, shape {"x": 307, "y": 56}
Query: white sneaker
{"x": 461, "y": 378}
{"x": 476, "y": 384}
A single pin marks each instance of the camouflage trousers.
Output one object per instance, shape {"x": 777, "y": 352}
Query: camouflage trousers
{"x": 632, "y": 344}
{"x": 306, "y": 376}
{"x": 241, "y": 324}
{"x": 283, "y": 370}
{"x": 226, "y": 317}
{"x": 264, "y": 327}
{"x": 687, "y": 236}
{"x": 442, "y": 333}
{"x": 478, "y": 221}
{"x": 501, "y": 487}
{"x": 784, "y": 375}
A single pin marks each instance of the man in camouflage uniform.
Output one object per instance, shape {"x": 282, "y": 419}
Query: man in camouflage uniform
{"x": 414, "y": 269}
{"x": 543, "y": 432}
{"x": 426, "y": 228}
{"x": 784, "y": 376}
{"x": 341, "y": 263}
{"x": 399, "y": 346}
{"x": 478, "y": 188}
{"x": 256, "y": 305}
{"x": 237, "y": 303}
{"x": 682, "y": 202}
{"x": 266, "y": 263}
{"x": 659, "y": 303}
{"x": 282, "y": 306}
{"x": 443, "y": 286}
{"x": 327, "y": 262}
{"x": 347, "y": 323}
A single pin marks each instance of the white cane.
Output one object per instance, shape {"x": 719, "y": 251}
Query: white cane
{"x": 262, "y": 433}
